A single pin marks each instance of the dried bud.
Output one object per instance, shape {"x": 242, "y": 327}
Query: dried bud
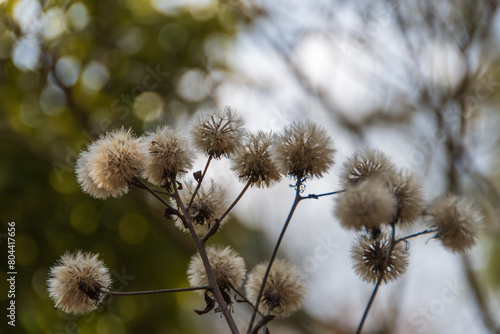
{"x": 366, "y": 205}
{"x": 284, "y": 291}
{"x": 458, "y": 222}
{"x": 110, "y": 164}
{"x": 253, "y": 161}
{"x": 407, "y": 189}
{"x": 217, "y": 133}
{"x": 228, "y": 267}
{"x": 168, "y": 155}
{"x": 366, "y": 164}
{"x": 304, "y": 150}
{"x": 370, "y": 258}
{"x": 76, "y": 281}
{"x": 208, "y": 205}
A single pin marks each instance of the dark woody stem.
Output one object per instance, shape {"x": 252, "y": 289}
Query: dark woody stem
{"x": 138, "y": 183}
{"x": 417, "y": 234}
{"x": 379, "y": 280}
{"x": 249, "y": 183}
{"x": 214, "y": 228}
{"x": 199, "y": 183}
{"x": 296, "y": 201}
{"x": 212, "y": 282}
{"x": 314, "y": 196}
{"x": 142, "y": 186}
{"x": 152, "y": 292}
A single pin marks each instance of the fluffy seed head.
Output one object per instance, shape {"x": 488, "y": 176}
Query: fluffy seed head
{"x": 407, "y": 189}
{"x": 304, "y": 150}
{"x": 168, "y": 155}
{"x": 284, "y": 291}
{"x": 369, "y": 255}
{"x": 75, "y": 282}
{"x": 365, "y": 164}
{"x": 83, "y": 169}
{"x": 111, "y": 163}
{"x": 228, "y": 266}
{"x": 253, "y": 161}
{"x": 208, "y": 205}
{"x": 458, "y": 221}
{"x": 366, "y": 205}
{"x": 217, "y": 133}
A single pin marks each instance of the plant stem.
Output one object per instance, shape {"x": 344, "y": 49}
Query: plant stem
{"x": 152, "y": 292}
{"x": 379, "y": 281}
{"x": 212, "y": 282}
{"x": 417, "y": 234}
{"x": 296, "y": 201}
{"x": 214, "y": 228}
{"x": 249, "y": 183}
{"x": 314, "y": 196}
{"x": 143, "y": 185}
{"x": 245, "y": 300}
{"x": 199, "y": 183}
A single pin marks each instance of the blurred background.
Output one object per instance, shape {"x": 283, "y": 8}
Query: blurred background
{"x": 419, "y": 80}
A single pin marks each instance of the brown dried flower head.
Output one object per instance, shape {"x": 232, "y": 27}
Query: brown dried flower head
{"x": 458, "y": 221}
{"x": 304, "y": 150}
{"x": 169, "y": 155}
{"x": 217, "y": 133}
{"x": 253, "y": 161}
{"x": 111, "y": 163}
{"x": 228, "y": 266}
{"x": 366, "y": 205}
{"x": 75, "y": 282}
{"x": 83, "y": 169}
{"x": 208, "y": 205}
{"x": 369, "y": 255}
{"x": 407, "y": 189}
{"x": 284, "y": 291}
{"x": 365, "y": 164}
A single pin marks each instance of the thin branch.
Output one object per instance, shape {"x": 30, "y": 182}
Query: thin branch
{"x": 296, "y": 201}
{"x": 245, "y": 300}
{"x": 314, "y": 196}
{"x": 141, "y": 185}
{"x": 152, "y": 292}
{"x": 138, "y": 183}
{"x": 379, "y": 281}
{"x": 417, "y": 234}
{"x": 212, "y": 282}
{"x": 199, "y": 183}
{"x": 249, "y": 183}
{"x": 214, "y": 228}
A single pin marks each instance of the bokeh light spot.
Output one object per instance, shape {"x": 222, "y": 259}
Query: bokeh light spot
{"x": 191, "y": 85}
{"x": 84, "y": 218}
{"x": 131, "y": 41}
{"x": 133, "y": 229}
{"x": 148, "y": 106}
{"x": 78, "y": 16}
{"x": 173, "y": 38}
{"x": 95, "y": 76}
{"x": 52, "y": 100}
{"x": 68, "y": 70}
{"x": 54, "y": 23}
